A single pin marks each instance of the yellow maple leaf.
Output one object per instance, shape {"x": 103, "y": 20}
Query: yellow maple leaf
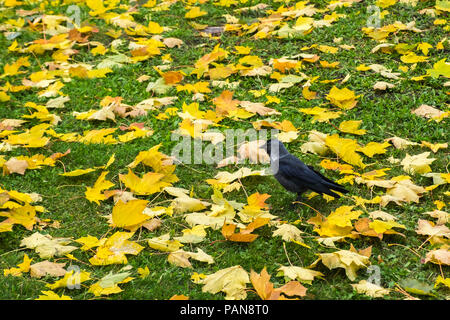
{"x": 308, "y": 94}
{"x": 109, "y": 284}
{"x": 343, "y": 98}
{"x": 77, "y": 172}
{"x": 99, "y": 50}
{"x": 47, "y": 246}
{"x": 373, "y": 148}
{"x": 89, "y": 242}
{"x": 343, "y": 215}
{"x": 50, "y": 295}
{"x": 164, "y": 243}
{"x": 321, "y": 114}
{"x": 143, "y": 272}
{"x": 370, "y": 289}
{"x": 151, "y": 182}
{"x": 195, "y": 12}
{"x": 417, "y": 163}
{"x": 265, "y": 289}
{"x": 345, "y": 149}
{"x": 434, "y": 146}
{"x": 352, "y": 126}
{"x": 115, "y": 249}
{"x": 129, "y": 215}
{"x": 231, "y": 280}
{"x": 70, "y": 280}
{"x": 298, "y": 273}
{"x": 380, "y": 226}
{"x": 349, "y": 260}
{"x": 94, "y": 194}
{"x": 23, "y": 267}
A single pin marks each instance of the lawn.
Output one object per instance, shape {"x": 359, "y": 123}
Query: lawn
{"x": 95, "y": 96}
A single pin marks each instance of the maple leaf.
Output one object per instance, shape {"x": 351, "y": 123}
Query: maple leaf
{"x": 195, "y": 12}
{"x": 181, "y": 257}
{"x": 232, "y": 281}
{"x": 439, "y": 256}
{"x": 194, "y": 235}
{"x": 265, "y": 289}
{"x": 89, "y": 242}
{"x": 289, "y": 232}
{"x": 71, "y": 279}
{"x": 345, "y": 149}
{"x": 321, "y": 114}
{"x": 324, "y": 228}
{"x": 115, "y": 249}
{"x": 427, "y": 228}
{"x": 343, "y": 98}
{"x": 370, "y": 289}
{"x": 109, "y": 284}
{"x": 143, "y": 272}
{"x": 440, "y": 68}
{"x": 252, "y": 151}
{"x": 47, "y": 246}
{"x": 301, "y": 274}
{"x": 43, "y": 268}
{"x": 164, "y": 243}
{"x": 405, "y": 190}
{"x": 94, "y": 194}
{"x": 23, "y": 215}
{"x": 442, "y": 216}
{"x": 308, "y": 94}
{"x": 129, "y": 215}
{"x": 435, "y": 147}
{"x": 50, "y": 295}
{"x": 401, "y": 143}
{"x": 373, "y": 148}
{"x": 349, "y": 260}
{"x": 351, "y": 126}
{"x": 440, "y": 279}
{"x": 383, "y": 85}
{"x": 151, "y": 182}
{"x": 23, "y": 267}
{"x": 229, "y": 234}
{"x": 77, "y": 172}
{"x": 428, "y": 112}
{"x": 418, "y": 163}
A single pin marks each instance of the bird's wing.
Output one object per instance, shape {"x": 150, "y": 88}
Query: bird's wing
{"x": 334, "y": 186}
{"x": 295, "y": 170}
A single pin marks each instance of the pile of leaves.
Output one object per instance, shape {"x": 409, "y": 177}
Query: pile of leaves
{"x": 194, "y": 74}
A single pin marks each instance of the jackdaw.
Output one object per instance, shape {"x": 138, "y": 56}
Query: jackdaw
{"x": 294, "y": 175}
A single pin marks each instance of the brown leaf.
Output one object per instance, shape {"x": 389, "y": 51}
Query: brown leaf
{"x": 46, "y": 267}
{"x": 427, "y": 111}
{"x": 16, "y": 166}
{"x": 440, "y": 256}
{"x": 173, "y": 42}
{"x": 228, "y": 233}
{"x": 293, "y": 288}
{"x": 153, "y": 224}
{"x": 261, "y": 283}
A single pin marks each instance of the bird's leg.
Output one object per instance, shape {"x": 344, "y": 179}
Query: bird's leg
{"x": 299, "y": 197}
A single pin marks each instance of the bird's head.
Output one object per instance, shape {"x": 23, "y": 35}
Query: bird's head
{"x": 271, "y": 145}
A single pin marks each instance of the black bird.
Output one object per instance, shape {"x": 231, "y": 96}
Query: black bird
{"x": 296, "y": 176}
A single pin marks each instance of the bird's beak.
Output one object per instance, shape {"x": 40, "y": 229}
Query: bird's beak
{"x": 266, "y": 147}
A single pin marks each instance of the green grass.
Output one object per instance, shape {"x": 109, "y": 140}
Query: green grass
{"x": 384, "y": 114}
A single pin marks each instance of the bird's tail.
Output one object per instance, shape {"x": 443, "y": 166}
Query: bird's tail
{"x": 330, "y": 183}
{"x": 337, "y": 187}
